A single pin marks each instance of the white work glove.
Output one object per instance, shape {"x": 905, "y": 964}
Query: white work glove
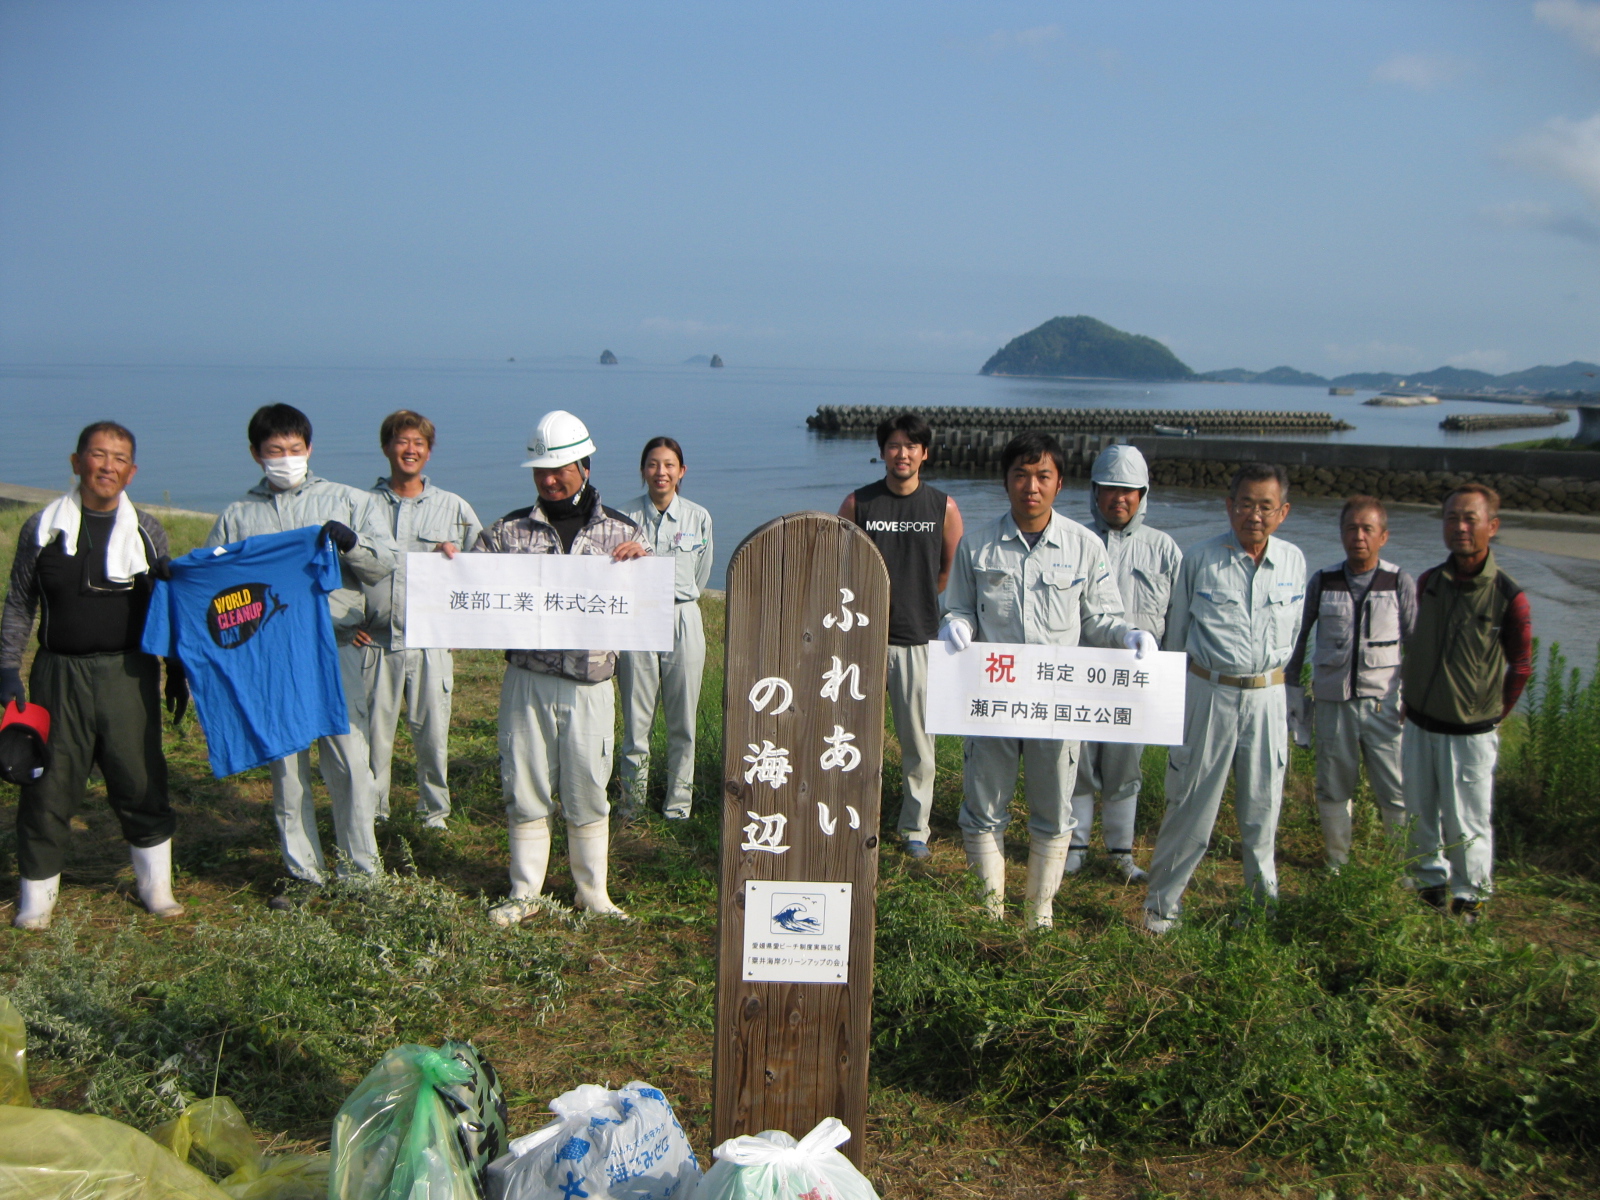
{"x": 957, "y": 632}
{"x": 1299, "y": 715}
{"x": 1140, "y": 642}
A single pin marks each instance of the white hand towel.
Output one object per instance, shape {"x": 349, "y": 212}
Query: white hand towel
{"x": 125, "y": 556}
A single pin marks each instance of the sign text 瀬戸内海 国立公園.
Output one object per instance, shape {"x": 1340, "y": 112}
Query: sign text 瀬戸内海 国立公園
{"x": 1071, "y": 693}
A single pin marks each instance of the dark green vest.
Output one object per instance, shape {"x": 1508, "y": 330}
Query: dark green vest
{"x": 1454, "y": 670}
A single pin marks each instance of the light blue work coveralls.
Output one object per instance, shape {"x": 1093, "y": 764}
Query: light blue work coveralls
{"x": 345, "y": 759}
{"x": 1237, "y": 620}
{"x": 422, "y": 679}
{"x": 1058, "y": 593}
{"x": 1145, "y": 562}
{"x": 682, "y": 530}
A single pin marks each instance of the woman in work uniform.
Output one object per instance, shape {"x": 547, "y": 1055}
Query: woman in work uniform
{"x": 669, "y": 525}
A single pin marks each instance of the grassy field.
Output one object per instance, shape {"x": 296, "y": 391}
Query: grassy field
{"x": 1355, "y": 1045}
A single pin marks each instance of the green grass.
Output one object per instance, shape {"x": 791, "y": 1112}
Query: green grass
{"x": 1355, "y": 1044}
{"x": 1549, "y": 443}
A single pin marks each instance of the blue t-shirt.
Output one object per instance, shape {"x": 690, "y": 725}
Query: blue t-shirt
{"x": 250, "y": 623}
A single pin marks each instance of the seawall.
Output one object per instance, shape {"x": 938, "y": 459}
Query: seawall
{"x": 1554, "y": 481}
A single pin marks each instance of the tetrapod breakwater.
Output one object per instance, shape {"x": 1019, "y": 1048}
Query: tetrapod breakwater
{"x": 863, "y": 420}
{"x": 1462, "y": 423}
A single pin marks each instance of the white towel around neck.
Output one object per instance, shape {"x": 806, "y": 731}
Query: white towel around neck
{"x": 125, "y": 556}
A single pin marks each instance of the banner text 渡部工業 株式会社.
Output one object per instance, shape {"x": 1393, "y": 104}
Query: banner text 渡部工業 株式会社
{"x": 539, "y": 602}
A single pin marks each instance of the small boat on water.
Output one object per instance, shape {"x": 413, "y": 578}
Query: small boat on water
{"x": 1174, "y": 431}
{"x": 1401, "y": 399}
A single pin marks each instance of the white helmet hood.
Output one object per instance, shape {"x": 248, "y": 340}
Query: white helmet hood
{"x": 558, "y": 439}
{"x": 1120, "y": 466}
{"x": 1124, "y": 467}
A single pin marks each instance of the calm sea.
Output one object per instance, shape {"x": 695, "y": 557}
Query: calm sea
{"x": 750, "y": 456}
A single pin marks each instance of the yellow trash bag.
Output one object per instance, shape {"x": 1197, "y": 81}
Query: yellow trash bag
{"x": 217, "y": 1130}
{"x": 13, "y": 1056}
{"x": 50, "y": 1155}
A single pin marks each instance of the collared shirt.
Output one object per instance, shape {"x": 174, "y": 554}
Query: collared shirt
{"x": 526, "y": 531}
{"x": 315, "y": 502}
{"x": 1233, "y": 615}
{"x": 1060, "y": 592}
{"x": 683, "y": 530}
{"x": 417, "y": 524}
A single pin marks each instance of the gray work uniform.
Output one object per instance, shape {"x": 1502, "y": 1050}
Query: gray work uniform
{"x": 557, "y": 709}
{"x": 1237, "y": 620}
{"x": 1145, "y": 562}
{"x": 422, "y": 679}
{"x": 1059, "y": 592}
{"x": 682, "y": 530}
{"x": 345, "y": 759}
{"x": 1361, "y": 621}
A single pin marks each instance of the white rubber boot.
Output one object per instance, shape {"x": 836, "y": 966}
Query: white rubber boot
{"x": 36, "y": 900}
{"x": 587, "y": 848}
{"x": 152, "y": 871}
{"x": 1131, "y": 871}
{"x": 1046, "y": 861}
{"x": 530, "y": 858}
{"x": 986, "y": 858}
{"x": 1075, "y": 860}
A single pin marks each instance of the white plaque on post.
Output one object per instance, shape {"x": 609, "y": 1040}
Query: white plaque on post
{"x": 796, "y": 932}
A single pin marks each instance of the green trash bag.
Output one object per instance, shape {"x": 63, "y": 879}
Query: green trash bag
{"x": 417, "y": 1127}
{"x": 13, "y": 1056}
{"x": 46, "y": 1154}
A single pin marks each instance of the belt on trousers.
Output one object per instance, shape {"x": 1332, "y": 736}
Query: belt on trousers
{"x": 1270, "y": 679}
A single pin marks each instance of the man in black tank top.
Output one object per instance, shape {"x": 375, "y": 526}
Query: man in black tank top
{"x": 916, "y": 528}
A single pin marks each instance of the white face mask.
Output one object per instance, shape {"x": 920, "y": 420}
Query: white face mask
{"x": 287, "y": 471}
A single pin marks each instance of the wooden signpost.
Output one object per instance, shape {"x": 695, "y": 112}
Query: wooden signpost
{"x": 807, "y": 643}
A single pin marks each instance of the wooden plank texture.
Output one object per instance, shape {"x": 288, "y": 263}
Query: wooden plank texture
{"x": 788, "y": 1055}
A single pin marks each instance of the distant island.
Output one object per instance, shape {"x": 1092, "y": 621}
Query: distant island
{"x": 1574, "y": 377}
{"x": 607, "y": 359}
{"x": 1083, "y": 346}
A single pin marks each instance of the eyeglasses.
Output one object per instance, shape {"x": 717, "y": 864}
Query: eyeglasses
{"x": 1254, "y": 510}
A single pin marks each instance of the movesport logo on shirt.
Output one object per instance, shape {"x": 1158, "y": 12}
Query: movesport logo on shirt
{"x": 237, "y": 615}
{"x": 901, "y": 526}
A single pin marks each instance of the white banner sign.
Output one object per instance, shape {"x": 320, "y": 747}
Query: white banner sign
{"x": 539, "y": 602}
{"x": 796, "y": 932}
{"x": 1077, "y": 693}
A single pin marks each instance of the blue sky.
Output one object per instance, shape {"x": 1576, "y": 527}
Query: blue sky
{"x": 1351, "y": 186}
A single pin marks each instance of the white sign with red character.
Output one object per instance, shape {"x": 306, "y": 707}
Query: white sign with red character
{"x": 1074, "y": 693}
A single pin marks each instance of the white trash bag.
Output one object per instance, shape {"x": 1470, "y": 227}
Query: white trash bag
{"x": 603, "y": 1145}
{"x": 773, "y": 1166}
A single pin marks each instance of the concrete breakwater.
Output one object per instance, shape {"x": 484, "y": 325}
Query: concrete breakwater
{"x": 988, "y": 423}
{"x": 1530, "y": 480}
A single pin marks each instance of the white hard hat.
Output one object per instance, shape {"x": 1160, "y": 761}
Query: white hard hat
{"x": 1120, "y": 466}
{"x": 558, "y": 439}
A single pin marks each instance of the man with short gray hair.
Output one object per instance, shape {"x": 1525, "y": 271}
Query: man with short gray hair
{"x": 1236, "y": 614}
{"x": 1465, "y": 667}
{"x": 1363, "y": 608}
{"x": 1145, "y": 563}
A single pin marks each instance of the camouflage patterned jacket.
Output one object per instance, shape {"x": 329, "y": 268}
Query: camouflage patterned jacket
{"x": 525, "y": 532}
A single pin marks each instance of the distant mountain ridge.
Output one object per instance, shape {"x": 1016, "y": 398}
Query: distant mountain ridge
{"x": 1576, "y": 376}
{"x": 1083, "y": 346}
